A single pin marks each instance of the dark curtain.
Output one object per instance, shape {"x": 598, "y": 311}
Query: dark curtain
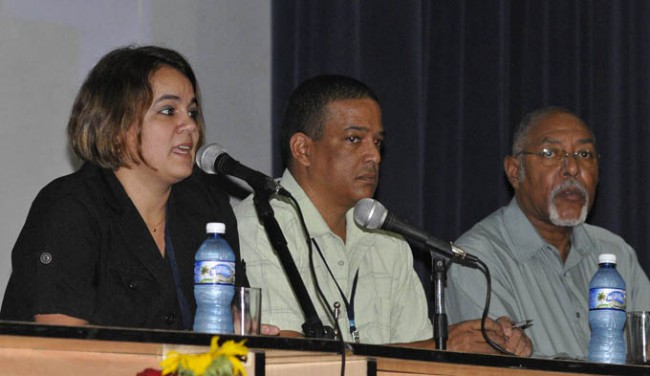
{"x": 454, "y": 77}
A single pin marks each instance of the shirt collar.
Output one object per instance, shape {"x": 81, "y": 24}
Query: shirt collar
{"x": 115, "y": 194}
{"x": 525, "y": 238}
{"x": 528, "y": 242}
{"x": 581, "y": 243}
{"x": 313, "y": 219}
{"x": 315, "y": 222}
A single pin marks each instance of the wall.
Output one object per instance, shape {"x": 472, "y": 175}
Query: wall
{"x": 49, "y": 46}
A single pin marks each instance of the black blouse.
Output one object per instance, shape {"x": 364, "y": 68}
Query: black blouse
{"x": 85, "y": 252}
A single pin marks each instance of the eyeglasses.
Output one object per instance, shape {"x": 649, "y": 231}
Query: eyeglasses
{"x": 552, "y": 157}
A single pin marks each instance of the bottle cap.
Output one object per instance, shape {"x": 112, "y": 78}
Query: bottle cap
{"x": 218, "y": 227}
{"x": 606, "y": 258}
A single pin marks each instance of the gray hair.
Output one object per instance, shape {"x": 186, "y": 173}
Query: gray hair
{"x": 530, "y": 120}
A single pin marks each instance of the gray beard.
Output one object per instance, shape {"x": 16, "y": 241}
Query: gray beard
{"x": 552, "y": 208}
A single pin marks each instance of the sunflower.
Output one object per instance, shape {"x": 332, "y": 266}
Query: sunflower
{"x": 219, "y": 361}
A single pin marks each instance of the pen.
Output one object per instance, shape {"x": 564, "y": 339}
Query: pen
{"x": 522, "y": 324}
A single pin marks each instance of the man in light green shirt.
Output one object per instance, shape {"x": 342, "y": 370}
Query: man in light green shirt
{"x": 388, "y": 304}
{"x": 539, "y": 251}
{"x": 331, "y": 143}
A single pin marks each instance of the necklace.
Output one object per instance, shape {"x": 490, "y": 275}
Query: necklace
{"x": 154, "y": 228}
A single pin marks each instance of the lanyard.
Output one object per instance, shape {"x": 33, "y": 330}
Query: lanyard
{"x": 186, "y": 314}
{"x": 349, "y": 305}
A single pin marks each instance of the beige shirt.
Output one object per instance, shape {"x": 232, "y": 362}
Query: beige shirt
{"x": 390, "y": 305}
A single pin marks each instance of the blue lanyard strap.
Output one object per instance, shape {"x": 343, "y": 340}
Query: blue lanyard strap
{"x": 349, "y": 305}
{"x": 186, "y": 313}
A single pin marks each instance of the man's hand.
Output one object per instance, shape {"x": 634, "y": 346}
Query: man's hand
{"x": 291, "y": 333}
{"x": 269, "y": 330}
{"x": 517, "y": 341}
{"x": 466, "y": 336}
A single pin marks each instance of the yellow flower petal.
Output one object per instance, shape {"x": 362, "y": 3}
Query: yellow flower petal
{"x": 229, "y": 352}
{"x": 214, "y": 343}
{"x": 232, "y": 348}
{"x": 197, "y": 363}
{"x": 170, "y": 363}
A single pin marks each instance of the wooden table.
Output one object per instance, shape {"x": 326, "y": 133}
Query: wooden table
{"x": 31, "y": 349}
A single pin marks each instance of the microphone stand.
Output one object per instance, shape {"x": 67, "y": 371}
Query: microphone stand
{"x": 439, "y": 280}
{"x": 313, "y": 326}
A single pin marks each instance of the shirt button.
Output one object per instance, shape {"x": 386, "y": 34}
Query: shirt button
{"x": 134, "y": 285}
{"x": 341, "y": 263}
{"x": 169, "y": 318}
{"x": 45, "y": 258}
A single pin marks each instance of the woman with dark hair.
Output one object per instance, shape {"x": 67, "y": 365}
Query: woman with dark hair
{"x": 113, "y": 243}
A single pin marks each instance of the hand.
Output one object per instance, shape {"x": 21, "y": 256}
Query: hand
{"x": 269, "y": 330}
{"x": 291, "y": 333}
{"x": 59, "y": 319}
{"x": 466, "y": 336}
{"x": 516, "y": 340}
{"x": 251, "y": 326}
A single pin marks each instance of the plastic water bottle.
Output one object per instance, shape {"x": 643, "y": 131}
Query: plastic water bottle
{"x": 214, "y": 282}
{"x": 607, "y": 313}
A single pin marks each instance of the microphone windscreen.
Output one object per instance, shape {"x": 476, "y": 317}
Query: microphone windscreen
{"x": 369, "y": 213}
{"x": 207, "y": 155}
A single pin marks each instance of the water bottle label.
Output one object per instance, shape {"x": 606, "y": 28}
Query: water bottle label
{"x": 605, "y": 298}
{"x": 214, "y": 272}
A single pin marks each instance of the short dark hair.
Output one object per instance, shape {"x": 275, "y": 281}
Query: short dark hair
{"x": 307, "y": 107}
{"x": 115, "y": 96}
{"x": 533, "y": 118}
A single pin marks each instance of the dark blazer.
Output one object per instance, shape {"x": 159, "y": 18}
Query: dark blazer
{"x": 85, "y": 251}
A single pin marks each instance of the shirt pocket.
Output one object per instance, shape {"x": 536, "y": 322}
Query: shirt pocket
{"x": 127, "y": 298}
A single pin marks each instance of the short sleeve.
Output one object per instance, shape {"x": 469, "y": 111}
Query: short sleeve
{"x": 279, "y": 304}
{"x": 55, "y": 258}
{"x": 410, "y": 311}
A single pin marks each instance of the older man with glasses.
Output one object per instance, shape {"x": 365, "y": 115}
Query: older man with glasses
{"x": 539, "y": 249}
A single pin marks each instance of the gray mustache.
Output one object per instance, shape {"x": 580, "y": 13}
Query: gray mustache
{"x": 570, "y": 183}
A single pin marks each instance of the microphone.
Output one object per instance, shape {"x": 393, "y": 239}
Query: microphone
{"x": 371, "y": 214}
{"x": 213, "y": 159}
